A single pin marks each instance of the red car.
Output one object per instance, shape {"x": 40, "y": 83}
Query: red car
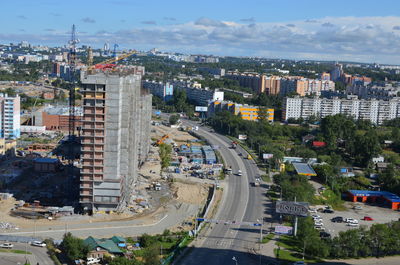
{"x": 368, "y": 218}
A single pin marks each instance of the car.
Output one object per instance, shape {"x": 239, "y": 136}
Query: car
{"x": 38, "y": 244}
{"x": 319, "y": 223}
{"x": 328, "y": 211}
{"x": 239, "y": 173}
{"x": 337, "y": 219}
{"x": 368, "y": 218}
{"x": 357, "y": 207}
{"x": 6, "y": 245}
{"x": 315, "y": 216}
{"x": 312, "y": 210}
{"x": 351, "y": 220}
{"x": 324, "y": 234}
{"x": 258, "y": 179}
{"x": 319, "y": 227}
{"x": 352, "y": 224}
{"x": 92, "y": 261}
{"x": 299, "y": 263}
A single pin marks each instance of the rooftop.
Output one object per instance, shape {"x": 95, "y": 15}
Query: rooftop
{"x": 367, "y": 193}
{"x": 304, "y": 169}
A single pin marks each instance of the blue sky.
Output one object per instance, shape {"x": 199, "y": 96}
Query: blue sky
{"x": 357, "y": 30}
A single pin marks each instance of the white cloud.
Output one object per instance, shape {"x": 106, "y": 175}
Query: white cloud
{"x": 369, "y": 39}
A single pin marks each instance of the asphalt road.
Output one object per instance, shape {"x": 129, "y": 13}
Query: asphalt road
{"x": 241, "y": 201}
{"x": 39, "y": 255}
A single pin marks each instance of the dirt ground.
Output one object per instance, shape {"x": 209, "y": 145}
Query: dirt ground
{"x": 193, "y": 193}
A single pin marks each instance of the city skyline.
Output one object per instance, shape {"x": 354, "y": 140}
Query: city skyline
{"x": 290, "y": 30}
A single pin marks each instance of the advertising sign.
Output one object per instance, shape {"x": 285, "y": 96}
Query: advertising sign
{"x": 285, "y": 230}
{"x": 268, "y": 156}
{"x": 292, "y": 208}
{"x": 242, "y": 137}
{"x": 200, "y": 109}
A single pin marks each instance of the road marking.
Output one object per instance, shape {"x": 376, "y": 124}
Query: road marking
{"x": 88, "y": 228}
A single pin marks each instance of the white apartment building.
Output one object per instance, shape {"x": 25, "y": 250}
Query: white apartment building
{"x": 10, "y": 126}
{"x": 377, "y": 111}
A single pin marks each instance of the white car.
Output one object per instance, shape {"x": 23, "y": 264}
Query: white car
{"x": 239, "y": 173}
{"x": 92, "y": 261}
{"x": 38, "y": 244}
{"x": 351, "y": 220}
{"x": 312, "y": 210}
{"x": 6, "y": 245}
{"x": 352, "y": 224}
{"x": 315, "y": 216}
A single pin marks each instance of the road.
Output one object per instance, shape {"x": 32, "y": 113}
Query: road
{"x": 39, "y": 255}
{"x": 174, "y": 215}
{"x": 222, "y": 244}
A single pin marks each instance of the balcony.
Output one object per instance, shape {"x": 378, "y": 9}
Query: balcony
{"x": 85, "y": 186}
{"x": 86, "y": 193}
{"x": 86, "y": 178}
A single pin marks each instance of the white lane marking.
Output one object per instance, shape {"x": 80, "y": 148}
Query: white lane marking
{"x": 88, "y": 228}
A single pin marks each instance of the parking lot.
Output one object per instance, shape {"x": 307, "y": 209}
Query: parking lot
{"x": 377, "y": 213}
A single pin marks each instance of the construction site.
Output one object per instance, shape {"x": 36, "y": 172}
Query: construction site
{"x": 102, "y": 162}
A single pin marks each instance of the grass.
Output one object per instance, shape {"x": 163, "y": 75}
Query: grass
{"x": 266, "y": 178}
{"x": 267, "y": 238}
{"x": 272, "y": 195}
{"x": 288, "y": 243}
{"x": 292, "y": 257}
{"x": 328, "y": 197}
{"x": 16, "y": 251}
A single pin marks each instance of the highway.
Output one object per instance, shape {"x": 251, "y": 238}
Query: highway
{"x": 223, "y": 244}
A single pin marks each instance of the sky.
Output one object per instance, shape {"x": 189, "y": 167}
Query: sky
{"x": 351, "y": 30}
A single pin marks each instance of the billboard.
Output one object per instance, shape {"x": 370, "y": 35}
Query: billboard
{"x": 285, "y": 230}
{"x": 292, "y": 208}
{"x": 268, "y": 156}
{"x": 242, "y": 137}
{"x": 200, "y": 109}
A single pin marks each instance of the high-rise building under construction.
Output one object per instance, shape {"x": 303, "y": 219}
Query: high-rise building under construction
{"x": 115, "y": 138}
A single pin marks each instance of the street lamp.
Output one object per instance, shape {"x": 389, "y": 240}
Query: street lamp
{"x": 234, "y": 259}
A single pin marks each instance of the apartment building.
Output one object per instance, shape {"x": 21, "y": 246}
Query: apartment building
{"x": 376, "y": 111}
{"x": 375, "y": 90}
{"x": 56, "y": 118}
{"x": 247, "y": 112}
{"x": 197, "y": 94}
{"x": 159, "y": 89}
{"x": 305, "y": 86}
{"x": 10, "y": 109}
{"x": 115, "y": 138}
{"x": 251, "y": 80}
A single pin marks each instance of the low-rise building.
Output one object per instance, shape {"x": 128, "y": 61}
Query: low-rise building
{"x": 163, "y": 90}
{"x": 247, "y": 112}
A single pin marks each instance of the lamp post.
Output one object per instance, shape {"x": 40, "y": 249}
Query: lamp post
{"x": 235, "y": 260}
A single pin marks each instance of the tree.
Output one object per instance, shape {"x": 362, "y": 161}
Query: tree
{"x": 124, "y": 261}
{"x": 262, "y": 114}
{"x": 74, "y": 248}
{"x": 173, "y": 119}
{"x": 309, "y": 239}
{"x": 165, "y": 155}
{"x": 151, "y": 255}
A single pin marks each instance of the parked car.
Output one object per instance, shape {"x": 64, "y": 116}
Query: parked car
{"x": 351, "y": 220}
{"x": 352, "y": 224}
{"x": 337, "y": 219}
{"x": 92, "y": 261}
{"x": 368, "y": 218}
{"x": 324, "y": 234}
{"x": 311, "y": 210}
{"x": 6, "y": 245}
{"x": 38, "y": 244}
{"x": 357, "y": 207}
{"x": 315, "y": 216}
{"x": 328, "y": 211}
{"x": 299, "y": 263}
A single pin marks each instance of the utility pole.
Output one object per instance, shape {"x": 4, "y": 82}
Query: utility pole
{"x": 295, "y": 222}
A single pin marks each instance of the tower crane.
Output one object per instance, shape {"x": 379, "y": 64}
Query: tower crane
{"x": 110, "y": 63}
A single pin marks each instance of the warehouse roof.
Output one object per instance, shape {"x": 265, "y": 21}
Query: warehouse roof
{"x": 304, "y": 169}
{"x": 371, "y": 193}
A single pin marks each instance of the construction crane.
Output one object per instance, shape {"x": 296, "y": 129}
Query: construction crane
{"x": 162, "y": 139}
{"x": 115, "y": 50}
{"x": 72, "y": 64}
{"x": 110, "y": 63}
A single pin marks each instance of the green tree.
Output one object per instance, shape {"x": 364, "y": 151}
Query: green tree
{"x": 165, "y": 155}
{"x": 262, "y": 114}
{"x": 124, "y": 261}
{"x": 151, "y": 255}
{"x": 73, "y": 247}
{"x": 173, "y": 119}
